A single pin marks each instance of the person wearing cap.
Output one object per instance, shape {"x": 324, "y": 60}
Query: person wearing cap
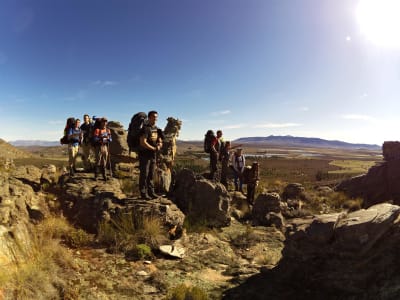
{"x": 238, "y": 163}
{"x": 102, "y": 138}
{"x": 150, "y": 142}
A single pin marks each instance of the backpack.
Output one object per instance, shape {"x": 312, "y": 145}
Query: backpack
{"x": 135, "y": 126}
{"x": 69, "y": 124}
{"x": 208, "y": 140}
{"x": 93, "y": 128}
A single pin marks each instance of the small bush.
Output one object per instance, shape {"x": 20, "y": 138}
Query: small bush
{"x": 183, "y": 292}
{"x": 141, "y": 251}
{"x": 338, "y": 201}
{"x": 124, "y": 232}
{"x": 197, "y": 166}
{"x": 246, "y": 239}
{"x": 150, "y": 231}
{"x": 78, "y": 238}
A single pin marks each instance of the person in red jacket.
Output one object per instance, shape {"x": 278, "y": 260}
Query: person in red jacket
{"x": 102, "y": 138}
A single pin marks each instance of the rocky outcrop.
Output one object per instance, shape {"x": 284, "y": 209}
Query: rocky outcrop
{"x": 391, "y": 150}
{"x": 7, "y": 151}
{"x": 19, "y": 206}
{"x": 380, "y": 184}
{"x": 201, "y": 200}
{"x": 87, "y": 202}
{"x": 336, "y": 256}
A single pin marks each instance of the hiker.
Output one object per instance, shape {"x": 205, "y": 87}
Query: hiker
{"x": 251, "y": 180}
{"x": 211, "y": 146}
{"x": 224, "y": 157}
{"x": 238, "y": 163}
{"x": 220, "y": 141}
{"x": 102, "y": 138}
{"x": 86, "y": 145}
{"x": 74, "y": 139}
{"x": 150, "y": 142}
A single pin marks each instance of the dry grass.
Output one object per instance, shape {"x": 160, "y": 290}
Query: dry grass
{"x": 40, "y": 267}
{"x": 184, "y": 292}
{"x": 124, "y": 233}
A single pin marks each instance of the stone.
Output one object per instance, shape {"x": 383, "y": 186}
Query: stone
{"x": 174, "y": 251}
{"x": 202, "y": 200}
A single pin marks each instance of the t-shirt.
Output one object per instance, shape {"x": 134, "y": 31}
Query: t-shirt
{"x": 151, "y": 136}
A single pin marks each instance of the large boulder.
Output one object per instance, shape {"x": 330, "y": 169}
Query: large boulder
{"x": 87, "y": 202}
{"x": 380, "y": 184}
{"x": 293, "y": 191}
{"x": 119, "y": 145}
{"x": 267, "y": 210}
{"x": 336, "y": 256}
{"x": 201, "y": 200}
{"x": 391, "y": 150}
{"x": 19, "y": 206}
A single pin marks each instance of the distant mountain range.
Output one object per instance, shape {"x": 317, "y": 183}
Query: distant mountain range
{"x": 275, "y": 140}
{"x": 28, "y": 143}
{"x": 289, "y": 140}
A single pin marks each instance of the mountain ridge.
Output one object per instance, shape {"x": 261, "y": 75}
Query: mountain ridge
{"x": 283, "y": 140}
{"x": 289, "y": 140}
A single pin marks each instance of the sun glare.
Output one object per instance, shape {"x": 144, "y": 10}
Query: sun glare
{"x": 380, "y": 21}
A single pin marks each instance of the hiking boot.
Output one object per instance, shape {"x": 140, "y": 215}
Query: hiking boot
{"x": 153, "y": 195}
{"x": 145, "y": 197}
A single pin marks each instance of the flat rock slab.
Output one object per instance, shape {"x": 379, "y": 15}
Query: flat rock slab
{"x": 174, "y": 251}
{"x": 358, "y": 231}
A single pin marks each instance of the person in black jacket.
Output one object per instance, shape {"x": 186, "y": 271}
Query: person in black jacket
{"x": 150, "y": 142}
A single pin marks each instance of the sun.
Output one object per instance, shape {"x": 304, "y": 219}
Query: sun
{"x": 379, "y": 21}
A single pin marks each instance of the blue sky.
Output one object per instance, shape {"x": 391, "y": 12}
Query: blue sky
{"x": 315, "y": 68}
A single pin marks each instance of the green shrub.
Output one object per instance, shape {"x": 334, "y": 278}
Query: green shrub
{"x": 141, "y": 251}
{"x": 183, "y": 292}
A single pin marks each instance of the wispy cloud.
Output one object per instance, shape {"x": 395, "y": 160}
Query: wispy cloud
{"x": 304, "y": 108}
{"x": 276, "y": 125}
{"x": 104, "y": 83}
{"x": 221, "y": 113}
{"x": 236, "y": 126}
{"x": 358, "y": 117}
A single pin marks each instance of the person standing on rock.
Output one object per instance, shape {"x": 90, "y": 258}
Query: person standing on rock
{"x": 150, "y": 142}
{"x": 102, "y": 139}
{"x": 224, "y": 157}
{"x": 238, "y": 163}
{"x": 86, "y": 145}
{"x": 74, "y": 137}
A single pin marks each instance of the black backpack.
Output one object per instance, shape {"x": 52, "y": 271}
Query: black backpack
{"x": 208, "y": 139}
{"x": 135, "y": 126}
{"x": 70, "y": 124}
